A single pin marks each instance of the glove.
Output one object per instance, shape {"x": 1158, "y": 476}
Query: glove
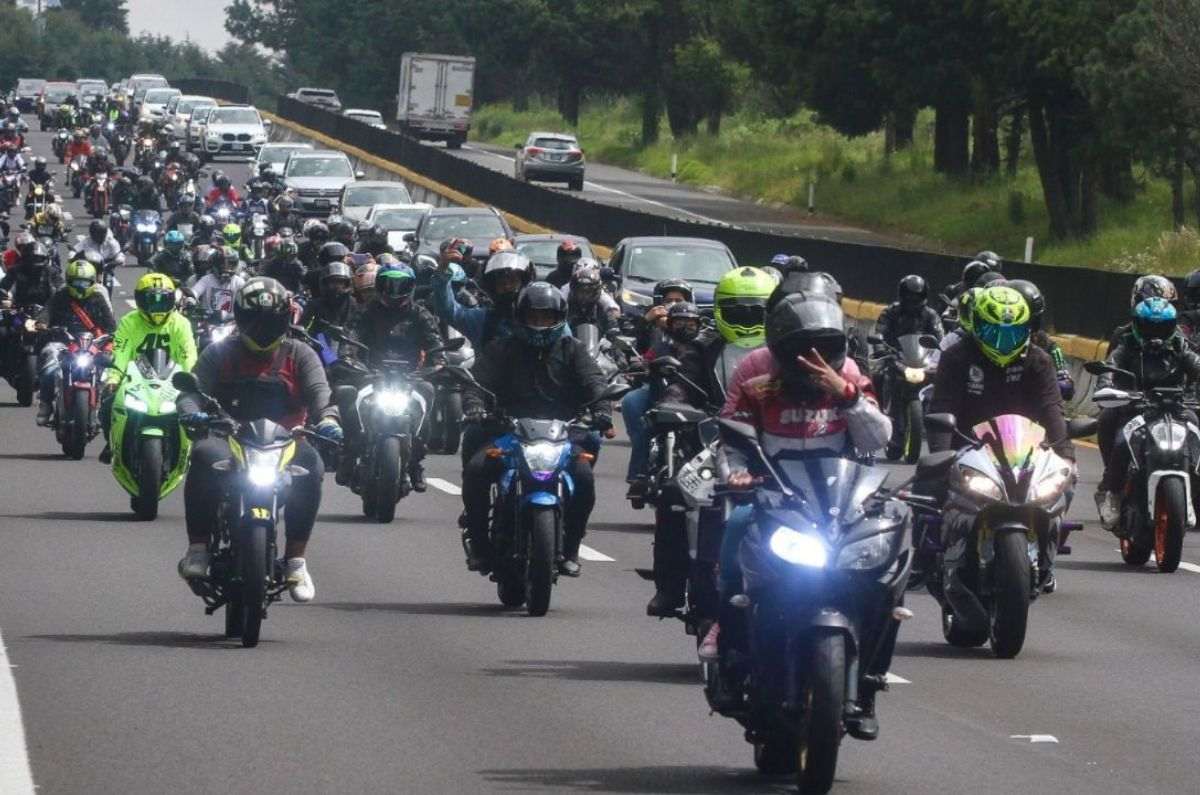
{"x": 602, "y": 422}
{"x": 328, "y": 428}
{"x": 475, "y": 416}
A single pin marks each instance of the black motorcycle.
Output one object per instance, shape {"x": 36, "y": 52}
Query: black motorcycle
{"x": 20, "y": 351}
{"x": 905, "y": 375}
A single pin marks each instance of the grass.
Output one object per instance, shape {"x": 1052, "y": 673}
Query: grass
{"x": 775, "y": 160}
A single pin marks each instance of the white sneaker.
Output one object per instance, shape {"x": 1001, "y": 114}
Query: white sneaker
{"x": 194, "y": 564}
{"x": 300, "y": 582}
{"x": 1109, "y": 508}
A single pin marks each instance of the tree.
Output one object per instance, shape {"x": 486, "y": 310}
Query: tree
{"x": 101, "y": 14}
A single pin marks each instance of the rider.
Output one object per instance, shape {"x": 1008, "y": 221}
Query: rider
{"x": 283, "y": 214}
{"x": 316, "y": 235}
{"x": 909, "y": 314}
{"x": 79, "y": 145}
{"x": 282, "y": 264}
{"x": 259, "y": 374}
{"x": 11, "y": 160}
{"x": 101, "y": 243}
{"x": 216, "y": 290}
{"x": 334, "y": 305}
{"x": 174, "y": 260}
{"x": 1038, "y": 336}
{"x": 222, "y": 190}
{"x": 539, "y": 371}
{"x": 38, "y": 175}
{"x": 373, "y": 240}
{"x": 587, "y": 302}
{"x": 51, "y": 223}
{"x": 29, "y": 280}
{"x": 364, "y": 283}
{"x": 78, "y": 307}
{"x": 154, "y": 324}
{"x": 1157, "y": 353}
{"x": 231, "y": 237}
{"x": 567, "y": 255}
{"x": 1149, "y": 286}
{"x": 505, "y": 273}
{"x": 1189, "y": 318}
{"x": 96, "y": 138}
{"x": 147, "y": 197}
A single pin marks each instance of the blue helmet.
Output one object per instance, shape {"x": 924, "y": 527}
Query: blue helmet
{"x": 1154, "y": 319}
{"x": 173, "y": 241}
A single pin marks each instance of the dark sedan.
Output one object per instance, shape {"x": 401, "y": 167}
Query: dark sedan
{"x": 642, "y": 262}
{"x": 542, "y": 250}
{"x": 477, "y": 225}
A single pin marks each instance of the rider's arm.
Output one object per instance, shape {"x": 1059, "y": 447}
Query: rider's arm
{"x": 487, "y": 375}
{"x": 1049, "y": 399}
{"x": 314, "y": 386}
{"x": 183, "y": 342}
{"x": 468, "y": 320}
{"x": 1118, "y": 356}
{"x": 129, "y": 334}
{"x": 869, "y": 428}
{"x": 206, "y": 372}
{"x": 949, "y": 392}
{"x": 932, "y": 323}
{"x": 429, "y": 336}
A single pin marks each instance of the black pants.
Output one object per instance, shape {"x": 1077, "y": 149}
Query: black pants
{"x": 205, "y": 486}
{"x": 481, "y": 472}
{"x": 1112, "y": 449}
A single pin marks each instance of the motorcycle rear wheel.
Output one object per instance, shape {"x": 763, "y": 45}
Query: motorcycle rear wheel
{"x": 27, "y": 381}
{"x": 1133, "y": 553}
{"x": 254, "y": 569}
{"x": 150, "y": 469}
{"x": 79, "y": 414}
{"x": 825, "y": 697}
{"x": 539, "y": 562}
{"x": 1170, "y": 523}
{"x": 1010, "y": 595}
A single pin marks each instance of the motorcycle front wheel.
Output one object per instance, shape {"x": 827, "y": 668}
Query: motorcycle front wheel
{"x": 825, "y": 699}
{"x": 79, "y": 414}
{"x": 1170, "y": 522}
{"x": 1010, "y": 595}
{"x": 385, "y": 486}
{"x": 150, "y": 457}
{"x": 254, "y": 569}
{"x": 539, "y": 561}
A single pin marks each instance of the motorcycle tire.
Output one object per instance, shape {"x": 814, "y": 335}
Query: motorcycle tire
{"x": 777, "y": 754}
{"x": 385, "y": 486}
{"x": 79, "y": 415}
{"x": 539, "y": 560}
{"x": 1133, "y": 553}
{"x": 510, "y": 592}
{"x": 254, "y": 569}
{"x": 1170, "y": 523}
{"x": 150, "y": 473}
{"x": 27, "y": 381}
{"x": 1010, "y": 595}
{"x": 825, "y": 700}
{"x": 913, "y": 433}
{"x": 451, "y": 423}
{"x": 234, "y": 615}
{"x": 957, "y": 635}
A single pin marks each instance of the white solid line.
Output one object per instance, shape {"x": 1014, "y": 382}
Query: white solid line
{"x": 892, "y": 679}
{"x": 587, "y": 553}
{"x": 15, "y": 774}
{"x": 443, "y": 485}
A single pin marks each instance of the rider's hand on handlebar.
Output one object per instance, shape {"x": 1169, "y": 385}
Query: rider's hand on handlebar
{"x": 475, "y": 416}
{"x": 739, "y": 480}
{"x": 328, "y": 428}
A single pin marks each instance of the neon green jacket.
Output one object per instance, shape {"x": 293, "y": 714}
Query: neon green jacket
{"x": 136, "y": 335}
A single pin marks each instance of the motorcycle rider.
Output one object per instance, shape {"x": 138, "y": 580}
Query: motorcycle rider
{"x": 231, "y": 237}
{"x": 38, "y": 175}
{"x": 1189, "y": 317}
{"x": 374, "y": 241}
{"x": 333, "y": 251}
{"x": 155, "y": 323}
{"x": 51, "y": 223}
{"x": 567, "y": 255}
{"x": 505, "y": 273}
{"x": 341, "y": 231}
{"x": 222, "y": 190}
{"x": 316, "y": 235}
{"x": 587, "y": 302}
{"x": 910, "y": 313}
{"x": 260, "y": 373}
{"x": 101, "y": 243}
{"x": 29, "y": 280}
{"x": 1150, "y": 286}
{"x": 96, "y": 138}
{"x": 174, "y": 260}
{"x": 334, "y": 305}
{"x": 78, "y": 146}
{"x": 11, "y": 161}
{"x": 147, "y": 197}
{"x": 282, "y": 264}
{"x": 364, "y": 283}
{"x": 217, "y": 289}
{"x": 1155, "y": 351}
{"x": 79, "y": 306}
{"x": 185, "y": 214}
{"x": 538, "y": 371}
{"x": 1038, "y": 336}
{"x": 283, "y": 213}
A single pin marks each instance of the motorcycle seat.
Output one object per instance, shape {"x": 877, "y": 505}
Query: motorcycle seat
{"x": 670, "y": 416}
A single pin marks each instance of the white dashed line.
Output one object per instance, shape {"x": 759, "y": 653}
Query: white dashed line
{"x": 131, "y": 302}
{"x": 1192, "y": 567}
{"x": 15, "y": 773}
{"x": 892, "y": 679}
{"x": 1035, "y": 738}
{"x": 444, "y": 485}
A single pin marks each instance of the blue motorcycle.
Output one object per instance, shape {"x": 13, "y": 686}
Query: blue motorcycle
{"x": 147, "y": 226}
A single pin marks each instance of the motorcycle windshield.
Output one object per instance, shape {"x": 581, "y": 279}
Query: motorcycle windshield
{"x": 1010, "y": 440}
{"x": 831, "y": 487}
{"x": 589, "y": 335}
{"x": 915, "y": 354}
{"x": 145, "y": 217}
{"x": 531, "y": 430}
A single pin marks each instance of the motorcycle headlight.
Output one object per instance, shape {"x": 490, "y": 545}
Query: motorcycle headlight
{"x": 630, "y": 297}
{"x": 544, "y": 456}
{"x": 223, "y": 213}
{"x": 1169, "y": 437}
{"x": 392, "y": 401}
{"x": 1051, "y": 485}
{"x": 262, "y": 467}
{"x": 799, "y": 549}
{"x": 124, "y": 215}
{"x": 83, "y": 361}
{"x": 975, "y": 481}
{"x": 134, "y": 403}
{"x": 220, "y": 333}
{"x": 147, "y": 228}
{"x": 867, "y": 554}
{"x": 914, "y": 375}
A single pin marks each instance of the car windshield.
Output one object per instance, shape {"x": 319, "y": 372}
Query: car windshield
{"x": 277, "y": 154}
{"x": 546, "y": 251}
{"x": 396, "y": 220}
{"x": 378, "y": 194}
{"x": 320, "y": 93}
{"x": 186, "y": 106}
{"x": 202, "y": 114}
{"x": 472, "y": 227}
{"x": 319, "y": 167}
{"x": 160, "y": 95}
{"x": 559, "y": 144}
{"x": 694, "y": 263}
{"x": 234, "y": 116}
{"x": 30, "y": 86}
{"x": 58, "y": 94}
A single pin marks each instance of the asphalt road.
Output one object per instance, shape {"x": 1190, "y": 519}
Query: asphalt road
{"x": 405, "y": 675}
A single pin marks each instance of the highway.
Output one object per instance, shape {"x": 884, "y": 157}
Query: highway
{"x": 405, "y": 674}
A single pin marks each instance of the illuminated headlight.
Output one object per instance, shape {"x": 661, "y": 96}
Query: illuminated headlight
{"x": 914, "y": 375}
{"x": 262, "y": 474}
{"x": 630, "y": 297}
{"x": 146, "y": 228}
{"x": 392, "y": 401}
{"x": 1049, "y": 487}
{"x": 544, "y": 456}
{"x": 83, "y": 361}
{"x": 223, "y": 212}
{"x": 147, "y": 142}
{"x": 800, "y": 549}
{"x": 124, "y": 215}
{"x": 975, "y": 481}
{"x": 1169, "y": 437}
{"x": 134, "y": 403}
{"x": 867, "y": 554}
{"x": 220, "y": 333}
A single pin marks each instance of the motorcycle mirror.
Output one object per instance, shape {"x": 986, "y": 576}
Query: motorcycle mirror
{"x": 929, "y": 341}
{"x": 1100, "y": 368}
{"x": 1111, "y": 398}
{"x": 185, "y": 382}
{"x": 1080, "y": 427}
{"x": 360, "y": 175}
{"x": 943, "y": 423}
{"x": 934, "y": 464}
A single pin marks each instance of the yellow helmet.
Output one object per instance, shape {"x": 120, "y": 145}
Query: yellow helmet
{"x": 81, "y": 279}
{"x": 155, "y": 297}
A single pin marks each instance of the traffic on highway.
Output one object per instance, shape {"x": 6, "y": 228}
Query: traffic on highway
{"x": 309, "y": 484}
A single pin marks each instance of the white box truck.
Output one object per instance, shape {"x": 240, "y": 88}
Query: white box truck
{"x": 436, "y": 93}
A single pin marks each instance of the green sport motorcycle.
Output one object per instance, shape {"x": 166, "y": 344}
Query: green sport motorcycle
{"x": 150, "y": 449}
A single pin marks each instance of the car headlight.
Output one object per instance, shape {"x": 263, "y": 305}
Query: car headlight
{"x": 392, "y": 401}
{"x": 978, "y": 483}
{"x": 83, "y": 361}
{"x": 630, "y": 297}
{"x": 800, "y": 549}
{"x": 1049, "y": 487}
{"x": 867, "y": 554}
{"x": 914, "y": 375}
{"x": 1169, "y": 437}
{"x": 134, "y": 403}
{"x": 544, "y": 456}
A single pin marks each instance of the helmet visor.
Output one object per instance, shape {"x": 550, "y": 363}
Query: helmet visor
{"x": 264, "y": 329}
{"x": 156, "y": 302}
{"x": 1155, "y": 329}
{"x": 745, "y": 313}
{"x": 1001, "y": 337}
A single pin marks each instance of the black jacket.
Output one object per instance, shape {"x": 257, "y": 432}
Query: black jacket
{"x": 1172, "y": 364}
{"x": 290, "y": 274}
{"x": 30, "y": 286}
{"x": 59, "y": 314}
{"x": 398, "y": 335}
{"x": 895, "y": 323}
{"x": 177, "y": 266}
{"x": 551, "y": 384}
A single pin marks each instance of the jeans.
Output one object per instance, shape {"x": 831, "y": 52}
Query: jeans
{"x": 49, "y": 369}
{"x": 739, "y": 521}
{"x": 634, "y": 406}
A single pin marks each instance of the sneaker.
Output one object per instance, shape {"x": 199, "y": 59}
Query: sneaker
{"x": 709, "y": 649}
{"x": 300, "y": 582}
{"x": 570, "y": 567}
{"x": 44, "y": 410}
{"x": 1109, "y": 508}
{"x": 194, "y": 564}
{"x": 637, "y": 489}
{"x": 106, "y": 455}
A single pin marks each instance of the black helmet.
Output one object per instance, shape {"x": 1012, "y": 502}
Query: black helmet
{"x": 508, "y": 262}
{"x": 991, "y": 259}
{"x": 341, "y": 230}
{"x": 174, "y": 147}
{"x": 333, "y": 251}
{"x": 551, "y": 323}
{"x": 336, "y": 271}
{"x": 1191, "y": 290}
{"x": 991, "y": 277}
{"x": 568, "y": 254}
{"x": 1152, "y": 286}
{"x": 262, "y": 309}
{"x": 98, "y": 231}
{"x": 376, "y": 235}
{"x": 221, "y": 181}
{"x": 25, "y": 243}
{"x": 683, "y": 321}
{"x": 39, "y": 164}
{"x": 803, "y": 322}
{"x": 972, "y": 271}
{"x": 95, "y": 130}
{"x": 316, "y": 231}
{"x": 1033, "y": 296}
{"x": 673, "y": 285}
{"x": 145, "y": 184}
{"x": 206, "y": 227}
{"x": 813, "y": 283}
{"x": 912, "y": 293}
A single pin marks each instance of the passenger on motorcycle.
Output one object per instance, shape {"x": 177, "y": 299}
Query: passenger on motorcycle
{"x": 1150, "y": 286}
{"x": 1155, "y": 351}
{"x": 503, "y": 277}
{"x": 539, "y": 371}
{"x": 174, "y": 260}
{"x": 789, "y": 263}
{"x": 78, "y": 307}
{"x": 282, "y": 264}
{"x": 11, "y": 161}
{"x": 154, "y": 324}
{"x": 222, "y": 190}
{"x": 364, "y": 283}
{"x": 586, "y": 300}
{"x": 258, "y": 374}
{"x": 909, "y": 314}
{"x": 216, "y": 290}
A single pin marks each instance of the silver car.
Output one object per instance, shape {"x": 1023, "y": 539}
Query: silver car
{"x": 179, "y": 110}
{"x": 325, "y": 98}
{"x": 371, "y": 117}
{"x": 550, "y": 157}
{"x": 398, "y": 220}
{"x": 359, "y": 197}
{"x": 316, "y": 179}
{"x": 275, "y": 154}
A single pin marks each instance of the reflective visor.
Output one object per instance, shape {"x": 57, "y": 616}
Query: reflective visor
{"x": 736, "y": 313}
{"x": 156, "y": 301}
{"x": 82, "y": 285}
{"x": 1002, "y": 338}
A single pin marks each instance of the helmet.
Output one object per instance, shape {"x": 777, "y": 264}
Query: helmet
{"x": 990, "y": 278}
{"x": 375, "y": 235}
{"x": 286, "y": 249}
{"x": 568, "y": 254}
{"x": 991, "y": 259}
{"x": 336, "y": 272}
{"x": 799, "y": 324}
{"x": 39, "y": 164}
{"x": 155, "y": 297}
{"x": 912, "y": 293}
{"x": 316, "y": 231}
{"x": 145, "y": 184}
{"x": 204, "y": 230}
{"x": 1000, "y": 323}
{"x": 98, "y": 231}
{"x": 232, "y": 234}
{"x": 500, "y": 244}
{"x": 740, "y": 305}
{"x": 1154, "y": 319}
{"x": 789, "y": 263}
{"x": 364, "y": 282}
{"x": 503, "y": 264}
{"x": 810, "y": 283}
{"x": 95, "y": 130}
{"x": 79, "y": 134}
{"x": 395, "y": 286}
{"x": 672, "y": 285}
{"x": 585, "y": 282}
{"x": 683, "y": 321}
{"x": 972, "y": 271}
{"x": 173, "y": 241}
{"x": 54, "y": 212}
{"x": 285, "y": 204}
{"x": 541, "y": 315}
{"x": 1152, "y": 286}
{"x": 341, "y": 230}
{"x": 25, "y": 244}
{"x": 1191, "y": 289}
{"x": 221, "y": 181}
{"x": 229, "y": 263}
{"x": 174, "y": 147}
{"x": 81, "y": 279}
{"x": 965, "y": 301}
{"x": 1033, "y": 296}
{"x": 333, "y": 251}
{"x": 262, "y": 309}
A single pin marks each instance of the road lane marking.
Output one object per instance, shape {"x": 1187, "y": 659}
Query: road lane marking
{"x": 15, "y": 774}
{"x": 1192, "y": 567}
{"x": 892, "y": 679}
{"x": 131, "y": 302}
{"x": 587, "y": 553}
{"x": 1035, "y": 738}
{"x": 444, "y": 485}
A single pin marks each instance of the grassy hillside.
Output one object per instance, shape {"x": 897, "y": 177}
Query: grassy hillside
{"x": 775, "y": 160}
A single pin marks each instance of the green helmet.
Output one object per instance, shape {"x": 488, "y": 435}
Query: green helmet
{"x": 740, "y": 306}
{"x": 1000, "y": 324}
{"x": 232, "y": 233}
{"x": 81, "y": 279}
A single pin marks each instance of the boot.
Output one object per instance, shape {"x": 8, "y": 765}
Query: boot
{"x": 106, "y": 454}
{"x": 479, "y": 552}
{"x": 668, "y": 597}
{"x": 569, "y": 566}
{"x": 345, "y": 469}
{"x": 861, "y": 722}
{"x": 416, "y": 476}
{"x": 44, "y": 411}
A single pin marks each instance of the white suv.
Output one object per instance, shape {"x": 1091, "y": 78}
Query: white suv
{"x": 233, "y": 130}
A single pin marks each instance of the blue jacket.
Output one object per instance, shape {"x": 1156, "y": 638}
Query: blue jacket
{"x": 473, "y": 322}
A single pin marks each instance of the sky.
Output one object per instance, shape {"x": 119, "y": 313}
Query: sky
{"x": 203, "y": 21}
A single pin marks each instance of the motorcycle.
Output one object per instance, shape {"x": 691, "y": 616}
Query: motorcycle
{"x": 212, "y": 327}
{"x": 147, "y": 225}
{"x": 824, "y": 567}
{"x": 59, "y": 145}
{"x": 1164, "y": 442}
{"x": 906, "y": 375}
{"x": 599, "y": 348}
{"x": 120, "y": 142}
{"x": 224, "y": 212}
{"x": 445, "y": 416}
{"x": 246, "y": 576}
{"x": 76, "y": 402}
{"x": 20, "y": 362}
{"x": 120, "y": 222}
{"x": 996, "y": 539}
{"x": 77, "y": 170}
{"x": 150, "y": 449}
{"x": 99, "y": 194}
{"x": 40, "y": 197}
{"x": 255, "y": 231}
{"x": 10, "y": 189}
{"x": 145, "y": 153}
